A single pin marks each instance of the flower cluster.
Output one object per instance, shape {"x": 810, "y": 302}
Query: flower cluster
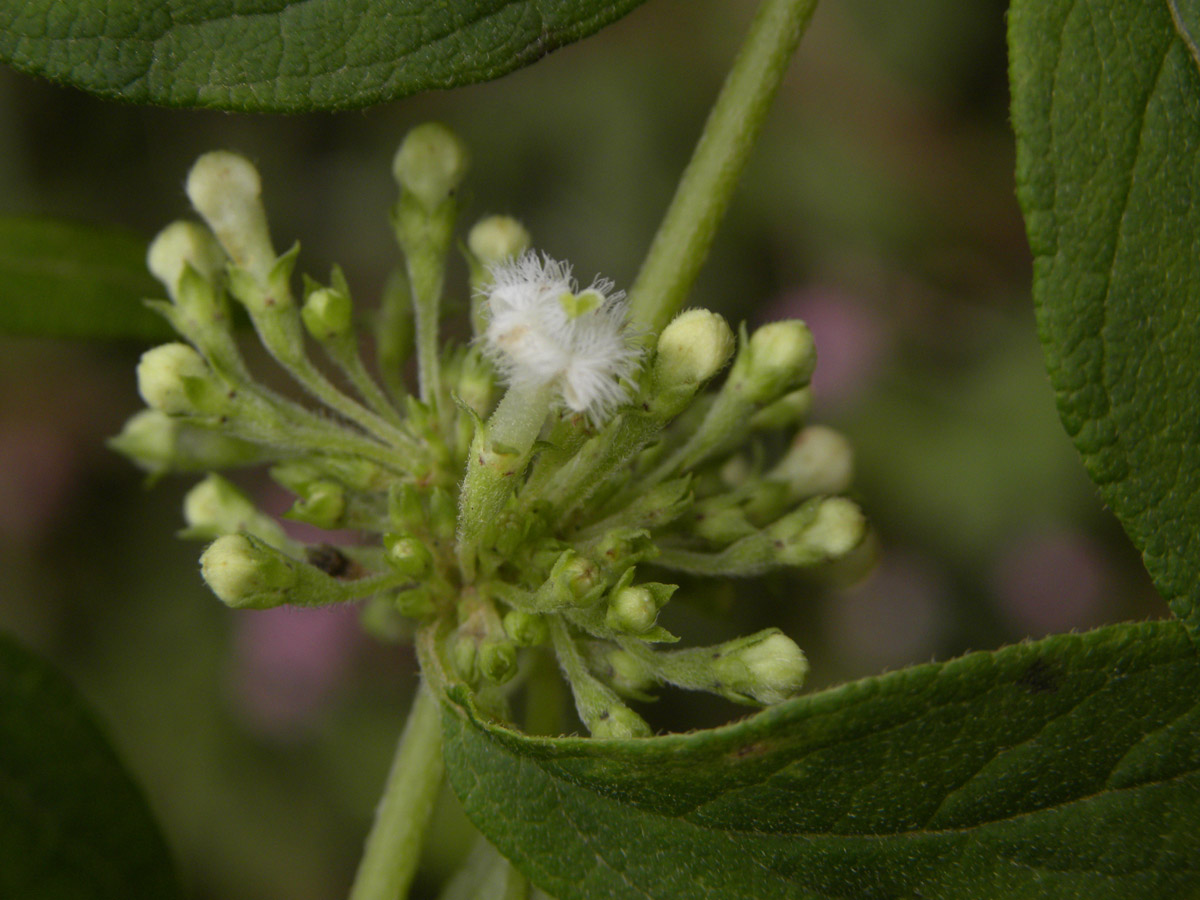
{"x": 510, "y": 504}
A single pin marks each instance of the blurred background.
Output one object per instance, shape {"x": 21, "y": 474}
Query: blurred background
{"x": 879, "y": 207}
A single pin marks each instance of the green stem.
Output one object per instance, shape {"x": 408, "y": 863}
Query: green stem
{"x": 394, "y": 844}
{"x": 704, "y": 191}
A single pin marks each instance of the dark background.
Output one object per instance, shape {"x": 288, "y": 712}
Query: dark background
{"x": 878, "y": 206}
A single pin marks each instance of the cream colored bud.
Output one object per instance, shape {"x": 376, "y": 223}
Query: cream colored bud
{"x": 497, "y": 238}
{"x": 226, "y": 190}
{"x": 838, "y": 528}
{"x": 243, "y": 575}
{"x": 161, "y": 375}
{"x": 820, "y": 461}
{"x": 781, "y": 358}
{"x": 632, "y": 610}
{"x": 179, "y": 245}
{"x": 769, "y": 670}
{"x": 327, "y": 314}
{"x": 693, "y": 348}
{"x": 430, "y": 163}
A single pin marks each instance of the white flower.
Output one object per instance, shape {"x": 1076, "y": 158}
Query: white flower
{"x": 541, "y": 329}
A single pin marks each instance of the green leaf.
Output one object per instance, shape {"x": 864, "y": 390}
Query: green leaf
{"x": 1065, "y": 768}
{"x": 72, "y": 823}
{"x": 271, "y": 56}
{"x": 1106, "y": 107}
{"x": 63, "y": 279}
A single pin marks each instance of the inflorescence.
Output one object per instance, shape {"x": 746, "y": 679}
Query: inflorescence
{"x": 509, "y": 502}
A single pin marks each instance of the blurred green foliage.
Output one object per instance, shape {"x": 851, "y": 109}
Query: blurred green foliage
{"x": 880, "y": 198}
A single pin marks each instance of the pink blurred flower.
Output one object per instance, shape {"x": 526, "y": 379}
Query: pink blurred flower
{"x": 851, "y": 341}
{"x": 288, "y": 663}
{"x": 1052, "y": 581}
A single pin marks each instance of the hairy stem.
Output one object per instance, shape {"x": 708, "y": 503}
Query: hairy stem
{"x": 687, "y": 230}
{"x": 394, "y": 844}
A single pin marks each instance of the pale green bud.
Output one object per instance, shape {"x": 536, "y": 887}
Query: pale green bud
{"x": 693, "y": 348}
{"x": 179, "y": 245}
{"x": 618, "y": 721}
{"x": 159, "y": 443}
{"x": 175, "y": 379}
{"x": 838, "y": 528}
{"x": 790, "y": 409}
{"x": 767, "y": 667}
{"x": 244, "y": 574}
{"x": 574, "y": 581}
{"x": 416, "y": 603}
{"x": 430, "y": 163}
{"x": 497, "y": 238}
{"x": 321, "y": 503}
{"x": 215, "y": 507}
{"x": 627, "y": 674}
{"x": 327, "y": 314}
{"x": 819, "y": 461}
{"x": 497, "y": 660}
{"x": 464, "y": 657}
{"x": 631, "y": 611}
{"x": 407, "y": 555}
{"x": 226, "y": 190}
{"x": 526, "y": 629}
{"x": 779, "y": 358}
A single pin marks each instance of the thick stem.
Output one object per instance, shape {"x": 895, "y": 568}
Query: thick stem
{"x": 394, "y": 844}
{"x": 704, "y": 191}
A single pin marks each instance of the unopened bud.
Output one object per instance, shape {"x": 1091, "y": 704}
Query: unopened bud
{"x": 790, "y": 409}
{"x": 159, "y": 443}
{"x": 416, "y": 603}
{"x": 497, "y": 238}
{"x": 618, "y": 721}
{"x": 633, "y": 609}
{"x": 407, "y": 555}
{"x": 175, "y": 379}
{"x": 767, "y": 667}
{"x": 430, "y": 163}
{"x": 321, "y": 503}
{"x": 327, "y": 314}
{"x": 246, "y": 574}
{"x": 226, "y": 190}
{"x": 779, "y": 358}
{"x": 215, "y": 507}
{"x": 627, "y": 674}
{"x": 820, "y": 461}
{"x": 179, "y": 245}
{"x": 809, "y": 537}
{"x": 497, "y": 660}
{"x": 526, "y": 629}
{"x": 574, "y": 581}
{"x": 693, "y": 348}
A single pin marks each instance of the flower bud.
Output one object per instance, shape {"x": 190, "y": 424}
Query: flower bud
{"x": 631, "y": 611}
{"x": 321, "y": 503}
{"x": 416, "y": 603}
{"x": 179, "y": 245}
{"x": 246, "y": 574}
{"x": 526, "y": 629}
{"x": 430, "y": 163}
{"x": 819, "y": 461}
{"x": 618, "y": 721}
{"x": 767, "y": 667}
{"x": 407, "y": 555}
{"x": 327, "y": 314}
{"x": 497, "y": 238}
{"x": 215, "y": 507}
{"x": 159, "y": 444}
{"x": 779, "y": 358}
{"x": 836, "y": 528}
{"x": 574, "y": 581}
{"x": 175, "y": 379}
{"x": 497, "y": 660}
{"x": 627, "y": 674}
{"x": 790, "y": 409}
{"x": 693, "y": 348}
{"x": 226, "y": 190}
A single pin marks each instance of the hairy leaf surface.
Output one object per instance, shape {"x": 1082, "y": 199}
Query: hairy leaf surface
{"x": 1064, "y": 768}
{"x": 72, "y": 823}
{"x": 63, "y": 279}
{"x": 287, "y": 55}
{"x": 1106, "y": 106}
